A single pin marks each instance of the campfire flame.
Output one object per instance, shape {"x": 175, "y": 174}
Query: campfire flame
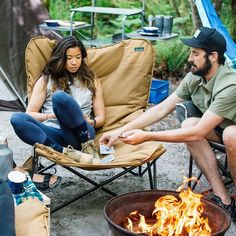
{"x": 173, "y": 217}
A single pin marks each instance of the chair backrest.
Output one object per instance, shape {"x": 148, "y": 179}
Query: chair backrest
{"x": 124, "y": 69}
{"x": 37, "y": 54}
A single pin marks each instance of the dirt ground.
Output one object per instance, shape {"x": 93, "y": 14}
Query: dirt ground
{"x": 85, "y": 217}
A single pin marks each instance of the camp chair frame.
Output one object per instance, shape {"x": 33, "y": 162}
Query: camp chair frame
{"x": 150, "y": 168}
{"x": 222, "y": 166}
{"x": 130, "y": 73}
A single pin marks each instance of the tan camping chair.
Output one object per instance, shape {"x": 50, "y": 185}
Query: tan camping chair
{"x": 125, "y": 71}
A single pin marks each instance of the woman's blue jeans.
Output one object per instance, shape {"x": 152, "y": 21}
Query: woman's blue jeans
{"x": 69, "y": 115}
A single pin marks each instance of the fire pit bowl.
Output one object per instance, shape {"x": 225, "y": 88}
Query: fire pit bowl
{"x": 118, "y": 209}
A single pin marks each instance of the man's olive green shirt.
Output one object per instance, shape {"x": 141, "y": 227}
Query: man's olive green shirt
{"x": 218, "y": 94}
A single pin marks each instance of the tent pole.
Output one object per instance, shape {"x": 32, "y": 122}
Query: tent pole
{"x": 5, "y": 78}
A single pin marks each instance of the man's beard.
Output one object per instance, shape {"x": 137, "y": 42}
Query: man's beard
{"x": 202, "y": 71}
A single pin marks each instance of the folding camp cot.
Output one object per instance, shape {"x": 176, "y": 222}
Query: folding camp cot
{"x": 125, "y": 71}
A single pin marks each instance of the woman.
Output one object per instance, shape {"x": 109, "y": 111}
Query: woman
{"x": 66, "y": 105}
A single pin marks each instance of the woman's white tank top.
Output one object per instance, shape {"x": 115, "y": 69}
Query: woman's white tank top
{"x": 83, "y": 96}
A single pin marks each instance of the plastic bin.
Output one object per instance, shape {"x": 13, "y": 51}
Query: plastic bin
{"x": 159, "y": 90}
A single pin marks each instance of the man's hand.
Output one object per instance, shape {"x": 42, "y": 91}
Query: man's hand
{"x": 134, "y": 136}
{"x": 109, "y": 138}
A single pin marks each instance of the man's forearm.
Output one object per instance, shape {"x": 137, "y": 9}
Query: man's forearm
{"x": 153, "y": 115}
{"x": 149, "y": 117}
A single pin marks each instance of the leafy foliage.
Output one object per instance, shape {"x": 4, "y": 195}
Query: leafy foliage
{"x": 226, "y": 14}
{"x": 171, "y": 55}
{"x": 171, "y": 58}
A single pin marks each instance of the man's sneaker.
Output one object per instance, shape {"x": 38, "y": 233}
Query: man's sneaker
{"x": 90, "y": 148}
{"x": 79, "y": 156}
{"x": 231, "y": 208}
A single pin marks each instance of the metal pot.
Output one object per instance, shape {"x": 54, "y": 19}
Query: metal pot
{"x": 117, "y": 209}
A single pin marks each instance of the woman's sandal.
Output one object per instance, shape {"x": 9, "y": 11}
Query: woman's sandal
{"x": 45, "y": 184}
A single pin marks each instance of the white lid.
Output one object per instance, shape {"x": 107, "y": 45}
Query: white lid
{"x": 16, "y": 176}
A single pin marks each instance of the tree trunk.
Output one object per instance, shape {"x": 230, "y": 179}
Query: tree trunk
{"x": 233, "y": 23}
{"x": 218, "y": 6}
{"x": 46, "y": 3}
{"x": 174, "y": 4}
{"x": 195, "y": 16}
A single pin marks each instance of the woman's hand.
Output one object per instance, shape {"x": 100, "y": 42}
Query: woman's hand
{"x": 91, "y": 122}
{"x": 87, "y": 119}
{"x": 51, "y": 116}
{"x": 134, "y": 136}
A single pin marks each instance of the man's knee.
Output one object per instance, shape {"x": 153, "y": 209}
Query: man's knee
{"x": 229, "y": 136}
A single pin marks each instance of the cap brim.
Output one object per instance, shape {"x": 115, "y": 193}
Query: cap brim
{"x": 192, "y": 42}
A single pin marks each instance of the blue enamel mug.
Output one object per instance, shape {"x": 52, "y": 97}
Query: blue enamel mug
{"x": 16, "y": 181}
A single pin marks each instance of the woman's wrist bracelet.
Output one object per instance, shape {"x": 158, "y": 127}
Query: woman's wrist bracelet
{"x": 94, "y": 122}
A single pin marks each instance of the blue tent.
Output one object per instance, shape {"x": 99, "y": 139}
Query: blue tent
{"x": 210, "y": 19}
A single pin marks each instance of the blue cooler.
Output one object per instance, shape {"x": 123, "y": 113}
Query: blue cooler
{"x": 159, "y": 90}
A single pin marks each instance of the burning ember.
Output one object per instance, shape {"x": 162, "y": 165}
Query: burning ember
{"x": 173, "y": 216}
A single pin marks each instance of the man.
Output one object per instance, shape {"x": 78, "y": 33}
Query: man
{"x": 206, "y": 106}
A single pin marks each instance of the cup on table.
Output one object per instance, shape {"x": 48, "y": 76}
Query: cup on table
{"x": 16, "y": 181}
{"x": 159, "y": 20}
{"x": 167, "y": 25}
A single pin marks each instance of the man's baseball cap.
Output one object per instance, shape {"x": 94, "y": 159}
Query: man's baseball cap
{"x": 208, "y": 39}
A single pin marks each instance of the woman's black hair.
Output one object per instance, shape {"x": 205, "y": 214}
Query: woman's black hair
{"x": 56, "y": 65}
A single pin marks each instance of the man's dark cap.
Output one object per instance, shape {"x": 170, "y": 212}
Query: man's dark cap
{"x": 208, "y": 39}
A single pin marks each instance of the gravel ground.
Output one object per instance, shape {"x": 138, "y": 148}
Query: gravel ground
{"x": 85, "y": 217}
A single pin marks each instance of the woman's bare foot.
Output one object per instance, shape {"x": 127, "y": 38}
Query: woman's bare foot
{"x": 38, "y": 178}
{"x": 42, "y": 180}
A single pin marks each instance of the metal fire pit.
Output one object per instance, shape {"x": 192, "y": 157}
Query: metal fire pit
{"x": 117, "y": 210}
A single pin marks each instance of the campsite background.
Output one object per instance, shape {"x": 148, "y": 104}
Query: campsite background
{"x": 20, "y": 20}
{"x": 186, "y": 21}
